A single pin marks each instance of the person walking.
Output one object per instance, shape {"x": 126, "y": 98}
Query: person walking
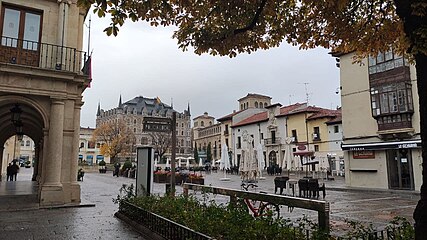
{"x": 14, "y": 169}
{"x": 116, "y": 169}
{"x": 9, "y": 172}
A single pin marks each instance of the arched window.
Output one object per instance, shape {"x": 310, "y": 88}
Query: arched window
{"x": 241, "y": 106}
{"x": 82, "y": 145}
{"x": 256, "y": 104}
{"x": 265, "y": 105}
{"x": 134, "y": 121}
{"x": 27, "y": 143}
{"x": 202, "y": 124}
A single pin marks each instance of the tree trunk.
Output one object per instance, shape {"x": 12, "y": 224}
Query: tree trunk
{"x": 411, "y": 24}
{"x": 420, "y": 213}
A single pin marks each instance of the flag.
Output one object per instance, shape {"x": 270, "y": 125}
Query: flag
{"x": 87, "y": 69}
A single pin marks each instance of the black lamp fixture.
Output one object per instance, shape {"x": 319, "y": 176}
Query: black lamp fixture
{"x": 16, "y": 113}
{"x": 19, "y": 129}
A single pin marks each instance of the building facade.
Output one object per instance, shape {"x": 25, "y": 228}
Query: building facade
{"x": 132, "y": 113}
{"x": 207, "y": 133}
{"x": 380, "y": 118}
{"x": 89, "y": 149}
{"x": 42, "y": 78}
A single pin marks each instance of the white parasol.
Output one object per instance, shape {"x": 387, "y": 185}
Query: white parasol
{"x": 260, "y": 159}
{"x": 225, "y": 162}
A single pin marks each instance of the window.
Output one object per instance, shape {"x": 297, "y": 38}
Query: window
{"x": 22, "y": 143}
{"x": 316, "y": 134}
{"x": 262, "y": 136}
{"x": 196, "y": 124}
{"x": 385, "y": 61}
{"x": 294, "y": 135}
{"x": 27, "y": 143}
{"x": 91, "y": 144}
{"x": 316, "y": 148}
{"x": 336, "y": 129}
{"x": 391, "y": 98}
{"x": 256, "y": 104}
{"x": 82, "y": 145}
{"x": 23, "y": 25}
{"x": 239, "y": 142}
{"x": 202, "y": 123}
{"x": 273, "y": 137}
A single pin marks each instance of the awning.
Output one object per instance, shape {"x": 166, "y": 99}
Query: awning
{"x": 382, "y": 145}
{"x": 304, "y": 153}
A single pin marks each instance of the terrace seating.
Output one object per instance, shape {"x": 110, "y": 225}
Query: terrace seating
{"x": 310, "y": 188}
{"x": 280, "y": 182}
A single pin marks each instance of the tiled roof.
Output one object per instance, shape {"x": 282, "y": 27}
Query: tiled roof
{"x": 259, "y": 117}
{"x": 287, "y": 109}
{"x": 254, "y": 95}
{"x": 337, "y": 119}
{"x": 324, "y": 113}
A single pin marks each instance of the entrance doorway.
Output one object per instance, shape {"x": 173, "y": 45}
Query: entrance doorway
{"x": 399, "y": 164}
{"x": 272, "y": 158}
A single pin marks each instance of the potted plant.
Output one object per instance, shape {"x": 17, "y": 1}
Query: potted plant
{"x": 160, "y": 176}
{"x": 102, "y": 168}
{"x": 196, "y": 179}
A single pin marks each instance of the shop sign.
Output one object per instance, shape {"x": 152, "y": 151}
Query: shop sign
{"x": 363, "y": 154}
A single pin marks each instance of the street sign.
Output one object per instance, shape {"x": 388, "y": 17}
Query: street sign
{"x": 156, "y": 124}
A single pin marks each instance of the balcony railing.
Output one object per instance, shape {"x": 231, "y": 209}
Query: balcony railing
{"x": 272, "y": 141}
{"x": 42, "y": 55}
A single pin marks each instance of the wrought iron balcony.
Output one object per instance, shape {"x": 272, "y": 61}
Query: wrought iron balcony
{"x": 42, "y": 55}
{"x": 272, "y": 141}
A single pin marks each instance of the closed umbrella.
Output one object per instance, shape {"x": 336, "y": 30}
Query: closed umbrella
{"x": 168, "y": 162}
{"x": 260, "y": 158}
{"x": 225, "y": 162}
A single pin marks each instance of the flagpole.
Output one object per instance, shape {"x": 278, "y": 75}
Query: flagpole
{"x": 88, "y": 37}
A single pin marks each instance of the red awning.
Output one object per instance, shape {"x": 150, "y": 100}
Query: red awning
{"x": 304, "y": 153}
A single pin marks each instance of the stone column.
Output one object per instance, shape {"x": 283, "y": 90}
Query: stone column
{"x": 75, "y": 187}
{"x": 36, "y": 161}
{"x": 1, "y": 162}
{"x": 51, "y": 192}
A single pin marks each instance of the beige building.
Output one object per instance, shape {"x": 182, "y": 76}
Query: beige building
{"x": 207, "y": 133}
{"x": 133, "y": 112}
{"x": 380, "y": 117}
{"x": 90, "y": 150}
{"x": 41, "y": 86}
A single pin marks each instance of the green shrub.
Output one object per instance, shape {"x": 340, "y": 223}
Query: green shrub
{"x": 127, "y": 165}
{"x": 102, "y": 163}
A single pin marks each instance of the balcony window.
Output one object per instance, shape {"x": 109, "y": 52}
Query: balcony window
{"x": 21, "y": 34}
{"x": 391, "y": 98}
{"x": 294, "y": 135}
{"x": 385, "y": 61}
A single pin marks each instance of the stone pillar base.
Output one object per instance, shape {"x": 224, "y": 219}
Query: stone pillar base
{"x": 75, "y": 193}
{"x": 51, "y": 195}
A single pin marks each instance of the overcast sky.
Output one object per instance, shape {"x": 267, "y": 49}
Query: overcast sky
{"x": 145, "y": 61}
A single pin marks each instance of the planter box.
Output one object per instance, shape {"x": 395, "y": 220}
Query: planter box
{"x": 178, "y": 179}
{"x": 196, "y": 181}
{"x": 160, "y": 178}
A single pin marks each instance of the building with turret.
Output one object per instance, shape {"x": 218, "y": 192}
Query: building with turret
{"x": 133, "y": 112}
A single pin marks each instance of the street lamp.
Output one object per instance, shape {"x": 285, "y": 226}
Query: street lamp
{"x": 16, "y": 113}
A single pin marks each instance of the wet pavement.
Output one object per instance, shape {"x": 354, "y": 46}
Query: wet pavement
{"x": 376, "y": 207}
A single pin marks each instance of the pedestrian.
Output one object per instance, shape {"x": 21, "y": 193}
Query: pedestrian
{"x": 116, "y": 169}
{"x": 14, "y": 169}
{"x": 9, "y": 172}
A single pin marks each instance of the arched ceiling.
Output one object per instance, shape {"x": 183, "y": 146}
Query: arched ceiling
{"x": 31, "y": 119}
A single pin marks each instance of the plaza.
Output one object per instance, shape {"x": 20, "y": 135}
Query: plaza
{"x": 95, "y": 218}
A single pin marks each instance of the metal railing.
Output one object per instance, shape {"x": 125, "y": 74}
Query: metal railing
{"x": 42, "y": 55}
{"x": 322, "y": 207}
{"x": 158, "y": 224}
{"x": 272, "y": 141}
